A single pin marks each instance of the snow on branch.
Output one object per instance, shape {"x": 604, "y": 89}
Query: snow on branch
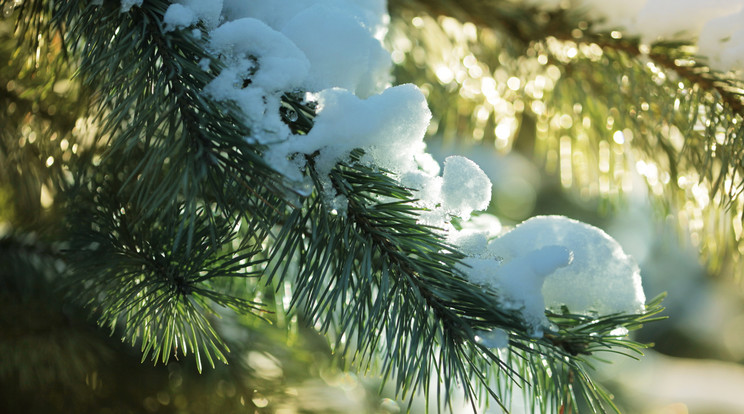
{"x": 376, "y": 210}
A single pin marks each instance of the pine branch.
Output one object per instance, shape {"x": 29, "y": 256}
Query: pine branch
{"x": 165, "y": 224}
{"x": 132, "y": 273}
{"x": 190, "y": 147}
{"x": 382, "y": 283}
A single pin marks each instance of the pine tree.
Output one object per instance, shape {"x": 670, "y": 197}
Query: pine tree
{"x": 130, "y": 197}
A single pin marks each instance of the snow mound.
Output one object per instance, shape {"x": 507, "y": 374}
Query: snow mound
{"x": 554, "y": 262}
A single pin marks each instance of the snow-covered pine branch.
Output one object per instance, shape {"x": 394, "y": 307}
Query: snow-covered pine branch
{"x": 259, "y": 142}
{"x": 334, "y": 54}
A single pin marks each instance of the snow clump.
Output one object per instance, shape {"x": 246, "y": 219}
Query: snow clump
{"x": 551, "y": 262}
{"x": 331, "y": 50}
{"x": 346, "y": 122}
{"x": 127, "y": 5}
{"x": 494, "y": 339}
{"x": 177, "y": 17}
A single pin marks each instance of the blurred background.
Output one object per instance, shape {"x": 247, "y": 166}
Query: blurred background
{"x": 525, "y": 108}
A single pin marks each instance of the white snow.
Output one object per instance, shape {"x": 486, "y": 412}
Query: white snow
{"x": 714, "y": 24}
{"x": 342, "y": 52}
{"x": 519, "y": 281}
{"x": 330, "y": 47}
{"x": 494, "y": 339}
{"x": 465, "y": 187}
{"x": 184, "y": 13}
{"x": 390, "y": 126}
{"x": 676, "y": 19}
{"x": 462, "y": 188}
{"x": 601, "y": 277}
{"x": 261, "y": 64}
{"x": 472, "y": 242}
{"x": 372, "y": 14}
{"x": 553, "y": 261}
{"x": 207, "y": 11}
{"x": 281, "y": 66}
{"x": 720, "y": 40}
{"x": 127, "y": 5}
{"x": 177, "y": 17}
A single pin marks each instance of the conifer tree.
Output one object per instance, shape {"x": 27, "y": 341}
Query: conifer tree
{"x": 188, "y": 174}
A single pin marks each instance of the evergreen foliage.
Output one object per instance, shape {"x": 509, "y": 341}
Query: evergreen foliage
{"x": 145, "y": 205}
